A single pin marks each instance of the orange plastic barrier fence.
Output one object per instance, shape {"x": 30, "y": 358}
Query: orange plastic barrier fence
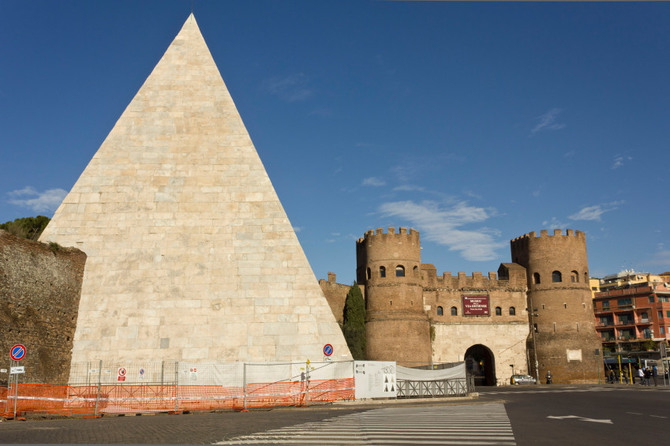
{"x": 138, "y": 398}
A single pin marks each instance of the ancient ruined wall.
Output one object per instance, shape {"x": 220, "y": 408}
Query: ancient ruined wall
{"x": 336, "y": 295}
{"x": 559, "y": 294}
{"x": 40, "y": 287}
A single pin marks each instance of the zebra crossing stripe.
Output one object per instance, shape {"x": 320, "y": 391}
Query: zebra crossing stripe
{"x": 482, "y": 424}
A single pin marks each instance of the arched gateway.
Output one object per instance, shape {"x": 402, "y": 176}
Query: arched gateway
{"x": 480, "y": 362}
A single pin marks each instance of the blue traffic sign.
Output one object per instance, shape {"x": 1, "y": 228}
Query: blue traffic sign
{"x": 18, "y": 352}
{"x": 327, "y": 349}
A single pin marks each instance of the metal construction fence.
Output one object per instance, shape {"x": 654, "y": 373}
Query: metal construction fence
{"x": 170, "y": 386}
{"x": 438, "y": 388}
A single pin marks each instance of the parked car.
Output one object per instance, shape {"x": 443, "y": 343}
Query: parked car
{"x": 522, "y": 379}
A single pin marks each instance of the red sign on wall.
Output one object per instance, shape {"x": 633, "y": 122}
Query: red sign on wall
{"x": 476, "y": 306}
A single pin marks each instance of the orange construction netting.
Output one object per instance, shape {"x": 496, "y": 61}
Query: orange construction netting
{"x": 144, "y": 398}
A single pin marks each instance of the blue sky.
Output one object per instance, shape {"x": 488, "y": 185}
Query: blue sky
{"x": 472, "y": 122}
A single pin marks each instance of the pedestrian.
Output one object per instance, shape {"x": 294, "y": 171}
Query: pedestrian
{"x": 548, "y": 376}
{"x": 654, "y": 374}
{"x": 647, "y": 376}
{"x": 640, "y": 374}
{"x": 612, "y": 378}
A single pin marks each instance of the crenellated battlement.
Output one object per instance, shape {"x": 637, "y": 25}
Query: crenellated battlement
{"x": 477, "y": 280}
{"x": 545, "y": 234}
{"x": 379, "y": 234}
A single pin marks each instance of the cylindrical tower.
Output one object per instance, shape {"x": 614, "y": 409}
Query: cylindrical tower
{"x": 397, "y": 327}
{"x": 563, "y": 336}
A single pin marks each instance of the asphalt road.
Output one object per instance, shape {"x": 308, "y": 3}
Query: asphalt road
{"x": 585, "y": 415}
{"x": 539, "y": 415}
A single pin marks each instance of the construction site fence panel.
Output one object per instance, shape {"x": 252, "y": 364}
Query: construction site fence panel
{"x": 98, "y": 388}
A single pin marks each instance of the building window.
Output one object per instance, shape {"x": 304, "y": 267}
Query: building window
{"x": 400, "y": 271}
{"x": 416, "y": 271}
{"x": 574, "y": 276}
{"x": 667, "y": 313}
{"x": 368, "y": 273}
{"x": 660, "y": 315}
{"x": 556, "y": 276}
{"x": 651, "y": 299}
{"x": 565, "y": 305}
{"x": 536, "y": 278}
{"x": 440, "y": 311}
{"x": 624, "y": 302}
{"x": 586, "y": 277}
{"x": 498, "y": 311}
{"x": 382, "y": 271}
{"x": 512, "y": 311}
{"x": 662, "y": 329}
{"x": 606, "y": 305}
{"x": 454, "y": 311}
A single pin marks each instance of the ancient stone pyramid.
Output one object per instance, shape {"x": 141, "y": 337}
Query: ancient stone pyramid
{"x": 190, "y": 253}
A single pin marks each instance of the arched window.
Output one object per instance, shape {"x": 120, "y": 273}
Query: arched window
{"x": 382, "y": 271}
{"x": 416, "y": 271}
{"x": 536, "y": 278}
{"x": 400, "y": 271}
{"x": 586, "y": 277}
{"x": 454, "y": 311}
{"x": 512, "y": 311}
{"x": 498, "y": 311}
{"x": 574, "y": 277}
{"x": 556, "y": 276}
{"x": 440, "y": 311}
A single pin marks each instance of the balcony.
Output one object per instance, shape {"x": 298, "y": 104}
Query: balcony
{"x": 626, "y": 338}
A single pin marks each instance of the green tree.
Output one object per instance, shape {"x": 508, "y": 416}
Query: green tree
{"x": 29, "y": 227}
{"x": 353, "y": 325}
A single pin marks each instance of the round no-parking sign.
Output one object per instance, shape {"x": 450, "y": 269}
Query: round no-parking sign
{"x": 18, "y": 352}
{"x": 327, "y": 349}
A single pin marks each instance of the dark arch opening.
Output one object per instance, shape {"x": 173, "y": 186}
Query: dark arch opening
{"x": 480, "y": 363}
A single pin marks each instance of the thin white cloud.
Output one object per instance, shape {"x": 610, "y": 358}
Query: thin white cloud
{"x": 408, "y": 188}
{"x": 292, "y": 88}
{"x": 619, "y": 161}
{"x": 29, "y": 197}
{"x": 593, "y": 213}
{"x": 554, "y": 223}
{"x": 443, "y": 225}
{"x": 548, "y": 121}
{"x": 374, "y": 181}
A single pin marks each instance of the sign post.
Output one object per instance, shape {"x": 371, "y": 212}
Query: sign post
{"x": 17, "y": 353}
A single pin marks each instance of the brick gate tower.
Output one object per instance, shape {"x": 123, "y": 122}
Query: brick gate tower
{"x": 563, "y": 332}
{"x": 397, "y": 326}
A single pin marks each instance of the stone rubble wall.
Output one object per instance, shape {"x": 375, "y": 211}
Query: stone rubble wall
{"x": 40, "y": 287}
